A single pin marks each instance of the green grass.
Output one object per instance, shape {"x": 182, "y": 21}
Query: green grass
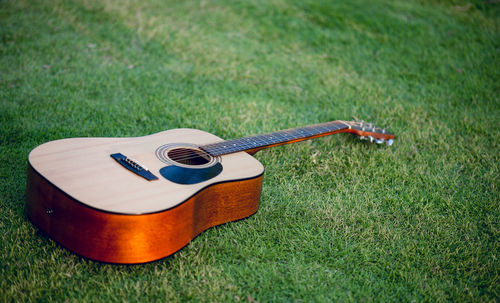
{"x": 340, "y": 219}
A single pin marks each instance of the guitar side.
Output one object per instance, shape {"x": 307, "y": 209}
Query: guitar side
{"x": 102, "y": 234}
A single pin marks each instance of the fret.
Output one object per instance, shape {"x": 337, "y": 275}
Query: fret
{"x": 258, "y": 141}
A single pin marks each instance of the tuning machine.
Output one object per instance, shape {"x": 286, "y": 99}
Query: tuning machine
{"x": 375, "y": 140}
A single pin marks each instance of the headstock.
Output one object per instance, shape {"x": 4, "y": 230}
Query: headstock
{"x": 368, "y": 131}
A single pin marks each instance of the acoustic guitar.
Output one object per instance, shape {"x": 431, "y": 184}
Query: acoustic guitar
{"x": 136, "y": 200}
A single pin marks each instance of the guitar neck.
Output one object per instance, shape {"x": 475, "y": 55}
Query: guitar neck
{"x": 255, "y": 143}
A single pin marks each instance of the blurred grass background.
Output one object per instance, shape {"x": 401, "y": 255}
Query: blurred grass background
{"x": 340, "y": 219}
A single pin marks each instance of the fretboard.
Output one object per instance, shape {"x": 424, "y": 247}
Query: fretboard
{"x": 258, "y": 142}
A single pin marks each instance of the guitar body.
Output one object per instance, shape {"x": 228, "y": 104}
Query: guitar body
{"x": 98, "y": 204}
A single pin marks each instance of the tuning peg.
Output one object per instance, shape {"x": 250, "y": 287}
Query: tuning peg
{"x": 379, "y": 141}
{"x": 363, "y": 138}
{"x": 370, "y": 138}
{"x": 389, "y": 142}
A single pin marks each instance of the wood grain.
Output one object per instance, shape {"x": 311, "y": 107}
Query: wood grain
{"x": 120, "y": 238}
{"x": 83, "y": 168}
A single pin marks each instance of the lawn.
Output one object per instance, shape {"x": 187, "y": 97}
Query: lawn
{"x": 339, "y": 219}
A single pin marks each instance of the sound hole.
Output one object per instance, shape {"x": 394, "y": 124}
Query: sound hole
{"x": 188, "y": 156}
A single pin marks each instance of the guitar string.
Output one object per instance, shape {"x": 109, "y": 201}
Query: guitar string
{"x": 241, "y": 147}
{"x": 246, "y": 145}
{"x": 182, "y": 156}
{"x": 188, "y": 155}
{"x": 262, "y": 138}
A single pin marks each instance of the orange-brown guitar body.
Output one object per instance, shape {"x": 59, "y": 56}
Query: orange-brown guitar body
{"x": 118, "y": 238}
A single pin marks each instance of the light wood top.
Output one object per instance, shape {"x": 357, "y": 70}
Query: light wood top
{"x": 83, "y": 168}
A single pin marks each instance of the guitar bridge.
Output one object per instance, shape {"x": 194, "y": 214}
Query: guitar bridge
{"x": 134, "y": 167}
